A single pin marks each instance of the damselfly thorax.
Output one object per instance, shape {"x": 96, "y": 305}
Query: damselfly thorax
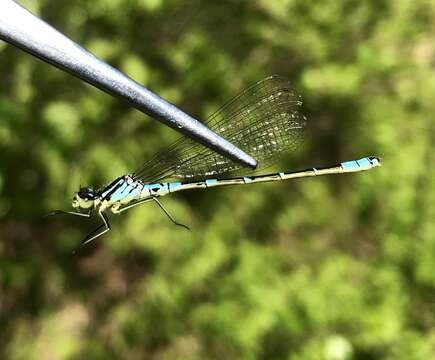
{"x": 117, "y": 195}
{"x": 264, "y": 121}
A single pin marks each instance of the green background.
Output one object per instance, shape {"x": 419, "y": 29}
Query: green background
{"x": 338, "y": 267}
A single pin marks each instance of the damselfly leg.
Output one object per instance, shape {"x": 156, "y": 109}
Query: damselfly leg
{"x": 159, "y": 204}
{"x": 169, "y": 215}
{"x": 97, "y": 233}
{"x": 75, "y": 213}
{"x": 118, "y": 211}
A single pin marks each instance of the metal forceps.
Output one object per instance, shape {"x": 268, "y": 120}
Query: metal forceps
{"x": 21, "y": 28}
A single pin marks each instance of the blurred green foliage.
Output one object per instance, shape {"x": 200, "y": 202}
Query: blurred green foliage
{"x": 334, "y": 268}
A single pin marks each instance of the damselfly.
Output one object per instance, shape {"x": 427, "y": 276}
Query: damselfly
{"x": 264, "y": 120}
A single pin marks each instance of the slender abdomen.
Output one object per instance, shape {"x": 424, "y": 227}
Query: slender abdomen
{"x": 363, "y": 164}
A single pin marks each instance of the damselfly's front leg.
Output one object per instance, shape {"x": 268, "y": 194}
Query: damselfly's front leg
{"x": 96, "y": 233}
{"x": 75, "y": 213}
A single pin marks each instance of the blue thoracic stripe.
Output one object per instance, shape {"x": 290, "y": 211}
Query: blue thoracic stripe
{"x": 110, "y": 189}
{"x": 120, "y": 193}
{"x": 134, "y": 190}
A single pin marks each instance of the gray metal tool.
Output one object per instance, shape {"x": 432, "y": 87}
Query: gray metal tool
{"x": 21, "y": 28}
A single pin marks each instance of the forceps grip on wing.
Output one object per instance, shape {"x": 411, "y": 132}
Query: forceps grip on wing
{"x": 24, "y": 30}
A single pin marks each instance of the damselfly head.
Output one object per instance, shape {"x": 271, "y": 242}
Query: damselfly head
{"x": 84, "y": 198}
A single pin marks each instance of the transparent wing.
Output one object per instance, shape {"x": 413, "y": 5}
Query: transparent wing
{"x": 264, "y": 121}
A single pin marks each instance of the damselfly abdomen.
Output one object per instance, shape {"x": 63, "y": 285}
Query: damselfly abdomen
{"x": 264, "y": 121}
